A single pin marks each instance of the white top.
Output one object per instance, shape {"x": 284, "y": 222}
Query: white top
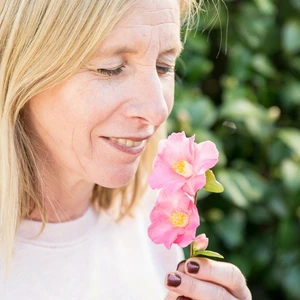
{"x": 90, "y": 258}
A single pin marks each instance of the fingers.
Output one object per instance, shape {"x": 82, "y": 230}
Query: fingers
{"x": 195, "y": 289}
{"x": 175, "y": 296}
{"x": 221, "y": 273}
{"x": 201, "y": 278}
{"x": 181, "y": 266}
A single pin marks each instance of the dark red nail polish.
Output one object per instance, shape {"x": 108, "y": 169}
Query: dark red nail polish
{"x": 173, "y": 280}
{"x": 183, "y": 261}
{"x": 183, "y": 298}
{"x": 192, "y": 267}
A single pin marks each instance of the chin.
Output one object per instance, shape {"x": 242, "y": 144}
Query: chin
{"x": 117, "y": 178}
{"x": 121, "y": 181}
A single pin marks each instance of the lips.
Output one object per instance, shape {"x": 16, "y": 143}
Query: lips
{"x": 127, "y": 142}
{"x": 128, "y": 145}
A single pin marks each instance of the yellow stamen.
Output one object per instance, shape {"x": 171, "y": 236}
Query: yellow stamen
{"x": 183, "y": 168}
{"x": 179, "y": 219}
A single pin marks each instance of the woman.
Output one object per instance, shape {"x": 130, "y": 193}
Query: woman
{"x": 85, "y": 86}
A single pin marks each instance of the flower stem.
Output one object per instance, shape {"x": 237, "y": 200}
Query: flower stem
{"x": 191, "y": 248}
{"x": 195, "y": 198}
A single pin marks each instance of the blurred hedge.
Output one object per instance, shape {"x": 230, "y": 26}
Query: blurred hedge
{"x": 238, "y": 84}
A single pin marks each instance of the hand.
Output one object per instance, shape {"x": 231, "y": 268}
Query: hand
{"x": 204, "y": 279}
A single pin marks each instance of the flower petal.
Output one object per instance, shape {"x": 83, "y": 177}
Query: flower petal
{"x": 194, "y": 184}
{"x": 185, "y": 239}
{"x": 162, "y": 233}
{"x": 174, "y": 164}
{"x": 206, "y": 156}
{"x": 164, "y": 229}
{"x": 200, "y": 242}
{"x": 163, "y": 176}
{"x": 178, "y": 147}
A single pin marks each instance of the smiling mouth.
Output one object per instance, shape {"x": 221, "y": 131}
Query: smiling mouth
{"x": 128, "y": 143}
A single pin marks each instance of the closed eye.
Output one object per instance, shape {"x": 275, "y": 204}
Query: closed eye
{"x": 114, "y": 72}
{"x": 164, "y": 70}
{"x": 110, "y": 72}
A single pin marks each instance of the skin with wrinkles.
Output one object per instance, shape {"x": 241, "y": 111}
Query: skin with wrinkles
{"x": 74, "y": 119}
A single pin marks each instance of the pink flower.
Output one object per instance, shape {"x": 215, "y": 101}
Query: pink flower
{"x": 200, "y": 242}
{"x": 181, "y": 164}
{"x": 174, "y": 219}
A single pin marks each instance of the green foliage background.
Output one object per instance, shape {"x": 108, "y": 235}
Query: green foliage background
{"x": 239, "y": 86}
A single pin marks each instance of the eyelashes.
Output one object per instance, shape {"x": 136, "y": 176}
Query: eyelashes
{"x": 110, "y": 72}
{"x": 165, "y": 70}
{"x": 115, "y": 72}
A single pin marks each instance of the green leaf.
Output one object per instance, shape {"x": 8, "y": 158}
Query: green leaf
{"x": 291, "y": 281}
{"x": 266, "y": 6}
{"x": 263, "y": 65}
{"x": 233, "y": 192}
{"x": 290, "y": 171}
{"x": 207, "y": 253}
{"x": 290, "y": 137}
{"x": 203, "y": 112}
{"x": 212, "y": 185}
{"x": 290, "y": 90}
{"x": 253, "y": 27}
{"x": 231, "y": 229}
{"x": 252, "y": 116}
{"x": 291, "y": 33}
{"x": 296, "y": 4}
{"x": 241, "y": 109}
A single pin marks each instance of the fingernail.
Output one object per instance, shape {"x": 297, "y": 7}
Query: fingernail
{"x": 192, "y": 267}
{"x": 183, "y": 298}
{"x": 173, "y": 280}
{"x": 183, "y": 261}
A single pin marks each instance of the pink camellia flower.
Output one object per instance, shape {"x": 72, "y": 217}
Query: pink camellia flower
{"x": 200, "y": 242}
{"x": 174, "y": 219}
{"x": 181, "y": 164}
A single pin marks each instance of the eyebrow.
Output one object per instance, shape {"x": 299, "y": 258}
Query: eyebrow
{"x": 176, "y": 49}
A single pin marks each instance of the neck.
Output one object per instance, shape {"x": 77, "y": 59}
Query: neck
{"x": 65, "y": 195}
{"x": 64, "y": 201}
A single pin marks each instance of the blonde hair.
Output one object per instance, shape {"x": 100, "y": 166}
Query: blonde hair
{"x": 42, "y": 43}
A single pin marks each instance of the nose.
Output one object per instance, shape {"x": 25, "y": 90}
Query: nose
{"x": 152, "y": 98}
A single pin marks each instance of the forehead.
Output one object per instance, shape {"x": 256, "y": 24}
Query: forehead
{"x": 152, "y": 13}
{"x": 148, "y": 20}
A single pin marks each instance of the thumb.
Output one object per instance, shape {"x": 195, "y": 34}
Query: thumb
{"x": 171, "y": 296}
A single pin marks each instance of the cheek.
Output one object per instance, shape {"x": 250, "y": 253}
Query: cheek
{"x": 168, "y": 90}
{"x": 100, "y": 98}
{"x": 55, "y": 116}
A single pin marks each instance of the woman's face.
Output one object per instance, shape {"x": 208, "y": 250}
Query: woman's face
{"x": 95, "y": 126}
